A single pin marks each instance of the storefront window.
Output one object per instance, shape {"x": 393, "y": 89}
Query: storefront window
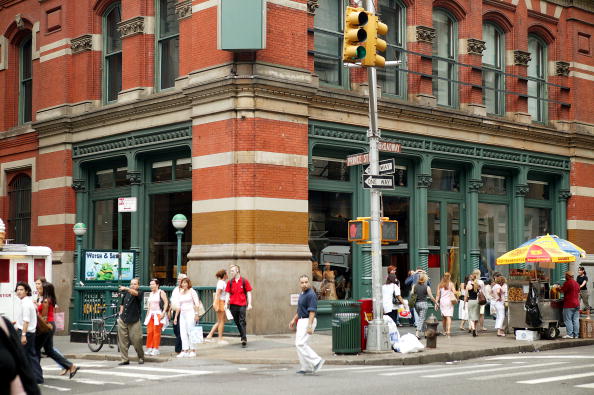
{"x": 397, "y": 254}
{"x": 329, "y": 213}
{"x": 453, "y": 242}
{"x": 400, "y": 176}
{"x": 105, "y": 226}
{"x": 330, "y": 169}
{"x": 445, "y": 180}
{"x": 537, "y": 222}
{"x": 493, "y": 232}
{"x": 110, "y": 178}
{"x": 538, "y": 190}
{"x": 493, "y": 185}
{"x": 169, "y": 170}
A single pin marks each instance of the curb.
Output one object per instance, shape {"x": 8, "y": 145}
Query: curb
{"x": 395, "y": 359}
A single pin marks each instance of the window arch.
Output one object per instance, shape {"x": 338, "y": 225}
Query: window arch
{"x": 537, "y": 83}
{"x": 391, "y": 79}
{"x": 19, "y": 210}
{"x": 444, "y": 67}
{"x": 167, "y": 44}
{"x": 112, "y": 53}
{"x": 26, "y": 79}
{"x": 494, "y": 69}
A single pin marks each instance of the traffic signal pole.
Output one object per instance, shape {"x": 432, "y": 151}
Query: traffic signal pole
{"x": 377, "y": 332}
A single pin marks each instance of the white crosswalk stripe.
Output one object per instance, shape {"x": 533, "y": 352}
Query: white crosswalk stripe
{"x": 557, "y": 378}
{"x": 539, "y": 371}
{"x": 440, "y": 369}
{"x": 471, "y": 371}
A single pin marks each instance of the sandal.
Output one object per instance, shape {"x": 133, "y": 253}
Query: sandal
{"x": 63, "y": 372}
{"x": 73, "y": 371}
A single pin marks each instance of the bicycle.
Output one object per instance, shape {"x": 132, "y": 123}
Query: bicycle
{"x": 98, "y": 335}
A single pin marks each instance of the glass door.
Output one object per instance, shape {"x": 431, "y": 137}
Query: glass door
{"x": 397, "y": 208}
{"x": 444, "y": 224}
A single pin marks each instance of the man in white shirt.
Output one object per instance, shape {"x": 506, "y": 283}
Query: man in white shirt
{"x": 26, "y": 324}
{"x": 174, "y": 305}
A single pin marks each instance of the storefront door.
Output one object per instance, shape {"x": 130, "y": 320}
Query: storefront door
{"x": 444, "y": 223}
{"x": 397, "y": 208}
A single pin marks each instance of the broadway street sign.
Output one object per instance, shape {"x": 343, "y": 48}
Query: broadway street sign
{"x": 388, "y": 147}
{"x": 378, "y": 182}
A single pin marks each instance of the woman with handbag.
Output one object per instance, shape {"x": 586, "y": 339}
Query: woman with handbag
{"x": 422, "y": 291}
{"x": 463, "y": 306}
{"x": 157, "y": 313}
{"x": 473, "y": 290}
{"x": 45, "y": 336}
{"x": 187, "y": 316}
{"x": 218, "y": 305}
{"x": 447, "y": 299}
{"x": 391, "y": 297}
{"x": 499, "y": 303}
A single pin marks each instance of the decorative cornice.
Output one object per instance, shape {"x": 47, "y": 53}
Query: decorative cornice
{"x": 424, "y": 180}
{"x": 426, "y": 34}
{"x": 81, "y": 44}
{"x": 521, "y": 58}
{"x": 131, "y": 27}
{"x": 134, "y": 177}
{"x": 475, "y": 46}
{"x": 562, "y": 69}
{"x": 183, "y": 10}
{"x": 564, "y": 194}
{"x": 312, "y": 5}
{"x": 79, "y": 185}
{"x": 522, "y": 190}
{"x": 474, "y": 186}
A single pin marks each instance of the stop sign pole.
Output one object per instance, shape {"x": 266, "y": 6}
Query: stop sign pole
{"x": 377, "y": 331}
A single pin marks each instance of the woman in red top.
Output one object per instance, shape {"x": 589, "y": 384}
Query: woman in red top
{"x": 46, "y": 308}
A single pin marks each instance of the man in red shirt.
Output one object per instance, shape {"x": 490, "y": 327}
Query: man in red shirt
{"x": 239, "y": 295}
{"x": 571, "y": 306}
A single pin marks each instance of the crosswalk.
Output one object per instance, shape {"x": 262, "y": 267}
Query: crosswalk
{"x": 106, "y": 374}
{"x": 521, "y": 370}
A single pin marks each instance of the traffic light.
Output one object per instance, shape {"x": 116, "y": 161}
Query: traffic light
{"x": 389, "y": 230}
{"x": 358, "y": 230}
{"x": 374, "y": 44}
{"x": 354, "y": 35}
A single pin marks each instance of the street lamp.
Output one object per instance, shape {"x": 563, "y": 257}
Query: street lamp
{"x": 179, "y": 222}
{"x": 79, "y": 229}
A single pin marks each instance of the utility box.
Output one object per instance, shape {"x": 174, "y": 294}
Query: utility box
{"x": 242, "y": 25}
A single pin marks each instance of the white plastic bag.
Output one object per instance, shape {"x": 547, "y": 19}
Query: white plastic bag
{"x": 409, "y": 343}
{"x": 393, "y": 330}
{"x": 228, "y": 314}
{"x": 196, "y": 335}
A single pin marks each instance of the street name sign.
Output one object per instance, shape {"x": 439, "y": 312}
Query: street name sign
{"x": 387, "y": 166}
{"x": 388, "y": 147}
{"x": 378, "y": 182}
{"x": 358, "y": 159}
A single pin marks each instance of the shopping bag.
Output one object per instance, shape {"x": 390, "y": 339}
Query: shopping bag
{"x": 165, "y": 322}
{"x": 228, "y": 314}
{"x": 409, "y": 343}
{"x": 392, "y": 330}
{"x": 59, "y": 320}
{"x": 196, "y": 335}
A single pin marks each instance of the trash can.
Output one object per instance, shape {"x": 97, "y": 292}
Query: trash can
{"x": 366, "y": 316}
{"x": 346, "y": 327}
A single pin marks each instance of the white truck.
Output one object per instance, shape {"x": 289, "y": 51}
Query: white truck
{"x": 19, "y": 262}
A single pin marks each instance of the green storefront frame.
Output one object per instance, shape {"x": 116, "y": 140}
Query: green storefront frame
{"x": 420, "y": 154}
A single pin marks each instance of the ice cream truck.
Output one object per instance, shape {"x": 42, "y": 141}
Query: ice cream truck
{"x": 19, "y": 262}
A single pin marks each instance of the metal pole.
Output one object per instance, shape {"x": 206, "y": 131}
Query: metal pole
{"x": 179, "y": 234}
{"x": 75, "y": 281}
{"x": 377, "y": 335}
{"x": 119, "y": 249}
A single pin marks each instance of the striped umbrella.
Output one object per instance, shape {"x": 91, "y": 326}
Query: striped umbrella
{"x": 545, "y": 256}
{"x": 555, "y": 241}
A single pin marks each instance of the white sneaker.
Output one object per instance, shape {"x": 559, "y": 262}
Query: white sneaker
{"x": 149, "y": 351}
{"x": 155, "y": 352}
{"x": 568, "y": 337}
{"x": 192, "y": 354}
{"x": 182, "y": 354}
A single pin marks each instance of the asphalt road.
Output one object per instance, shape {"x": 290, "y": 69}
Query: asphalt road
{"x": 566, "y": 371}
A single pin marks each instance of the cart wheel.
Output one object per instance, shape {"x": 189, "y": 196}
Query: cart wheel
{"x": 557, "y": 332}
{"x": 550, "y": 332}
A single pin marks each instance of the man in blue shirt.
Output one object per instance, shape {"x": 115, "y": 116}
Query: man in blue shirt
{"x": 305, "y": 323}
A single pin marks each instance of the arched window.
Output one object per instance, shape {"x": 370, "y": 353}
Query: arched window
{"x": 494, "y": 69}
{"x": 19, "y": 211}
{"x": 167, "y": 44}
{"x": 537, "y": 72}
{"x": 112, "y": 53}
{"x": 391, "y": 79}
{"x": 25, "y": 80}
{"x": 444, "y": 68}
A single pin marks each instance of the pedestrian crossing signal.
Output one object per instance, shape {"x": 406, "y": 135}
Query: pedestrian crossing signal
{"x": 389, "y": 230}
{"x": 358, "y": 230}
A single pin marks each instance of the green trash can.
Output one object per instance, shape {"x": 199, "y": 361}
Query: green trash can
{"x": 346, "y": 327}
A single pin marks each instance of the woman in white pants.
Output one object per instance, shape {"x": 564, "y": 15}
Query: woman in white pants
{"x": 499, "y": 303}
{"x": 187, "y": 315}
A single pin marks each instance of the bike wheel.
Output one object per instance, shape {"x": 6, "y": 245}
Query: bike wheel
{"x": 94, "y": 340}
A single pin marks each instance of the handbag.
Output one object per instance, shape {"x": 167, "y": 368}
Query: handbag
{"x": 482, "y": 300}
{"x": 395, "y": 300}
{"x": 453, "y": 299}
{"x": 412, "y": 299}
{"x": 196, "y": 335}
{"x": 42, "y": 325}
{"x": 201, "y": 310}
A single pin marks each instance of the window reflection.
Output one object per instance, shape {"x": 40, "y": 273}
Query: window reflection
{"x": 445, "y": 180}
{"x": 493, "y": 232}
{"x": 330, "y": 169}
{"x": 493, "y": 185}
{"x": 538, "y": 190}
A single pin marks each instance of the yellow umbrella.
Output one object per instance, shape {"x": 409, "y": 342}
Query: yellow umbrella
{"x": 545, "y": 256}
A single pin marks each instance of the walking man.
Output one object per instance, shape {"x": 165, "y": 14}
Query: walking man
{"x": 129, "y": 329}
{"x": 239, "y": 298}
{"x": 305, "y": 323}
{"x": 571, "y": 306}
{"x": 26, "y": 323}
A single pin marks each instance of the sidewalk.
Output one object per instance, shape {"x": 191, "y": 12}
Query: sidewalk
{"x": 279, "y": 349}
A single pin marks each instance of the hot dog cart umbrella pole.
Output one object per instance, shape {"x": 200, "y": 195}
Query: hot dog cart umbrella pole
{"x": 544, "y": 253}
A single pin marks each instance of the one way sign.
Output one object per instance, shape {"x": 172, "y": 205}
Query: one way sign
{"x": 378, "y": 182}
{"x": 386, "y": 166}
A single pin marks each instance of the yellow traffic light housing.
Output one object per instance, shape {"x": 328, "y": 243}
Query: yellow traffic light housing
{"x": 374, "y": 44}
{"x": 389, "y": 230}
{"x": 354, "y": 35}
{"x": 358, "y": 230}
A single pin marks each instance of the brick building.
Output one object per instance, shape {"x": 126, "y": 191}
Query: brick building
{"x": 101, "y": 99}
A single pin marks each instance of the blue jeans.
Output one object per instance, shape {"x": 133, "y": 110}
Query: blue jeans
{"x": 32, "y": 356}
{"x": 571, "y": 316}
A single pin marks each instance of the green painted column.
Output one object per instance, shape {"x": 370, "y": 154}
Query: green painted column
{"x": 422, "y": 184}
{"x": 518, "y": 216}
{"x": 137, "y": 227}
{"x": 365, "y": 272}
{"x": 475, "y": 183}
{"x": 561, "y": 220}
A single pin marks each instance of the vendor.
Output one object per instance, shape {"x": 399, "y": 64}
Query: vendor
{"x": 571, "y": 306}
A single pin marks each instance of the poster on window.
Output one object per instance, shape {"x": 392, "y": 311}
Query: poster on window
{"x": 103, "y": 265}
